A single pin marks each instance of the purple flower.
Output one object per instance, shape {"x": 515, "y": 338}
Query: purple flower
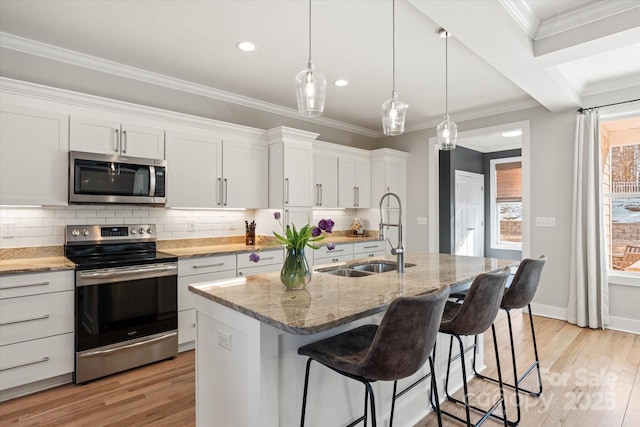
{"x": 316, "y": 232}
{"x": 331, "y": 246}
{"x": 276, "y": 215}
{"x": 254, "y": 257}
{"x": 326, "y": 225}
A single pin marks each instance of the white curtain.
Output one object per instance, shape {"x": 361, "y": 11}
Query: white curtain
{"x": 588, "y": 286}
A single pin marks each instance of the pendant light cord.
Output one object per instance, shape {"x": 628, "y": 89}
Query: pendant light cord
{"x": 446, "y": 73}
{"x": 309, "y": 30}
{"x": 393, "y": 49}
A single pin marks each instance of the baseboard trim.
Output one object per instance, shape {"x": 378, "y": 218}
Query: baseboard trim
{"x": 616, "y": 323}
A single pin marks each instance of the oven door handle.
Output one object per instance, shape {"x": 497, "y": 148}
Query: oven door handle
{"x": 125, "y": 347}
{"x": 109, "y": 275}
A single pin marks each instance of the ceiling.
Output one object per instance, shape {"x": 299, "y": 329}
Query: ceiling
{"x": 504, "y": 54}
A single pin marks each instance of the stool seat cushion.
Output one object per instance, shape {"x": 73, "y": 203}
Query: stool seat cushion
{"x": 344, "y": 352}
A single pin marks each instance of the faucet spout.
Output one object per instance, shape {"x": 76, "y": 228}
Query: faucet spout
{"x": 399, "y": 250}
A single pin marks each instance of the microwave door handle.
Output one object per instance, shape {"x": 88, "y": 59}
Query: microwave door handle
{"x": 152, "y": 181}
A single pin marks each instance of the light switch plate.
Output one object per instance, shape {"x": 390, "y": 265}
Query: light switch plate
{"x": 8, "y": 229}
{"x": 422, "y": 220}
{"x": 545, "y": 221}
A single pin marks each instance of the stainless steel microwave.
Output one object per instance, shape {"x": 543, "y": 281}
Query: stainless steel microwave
{"x": 107, "y": 178}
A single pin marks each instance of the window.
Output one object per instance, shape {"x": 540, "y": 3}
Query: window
{"x": 620, "y": 148}
{"x": 506, "y": 203}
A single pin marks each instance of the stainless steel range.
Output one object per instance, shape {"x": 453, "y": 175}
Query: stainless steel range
{"x": 126, "y": 299}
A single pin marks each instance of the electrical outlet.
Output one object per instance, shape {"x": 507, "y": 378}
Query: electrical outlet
{"x": 8, "y": 229}
{"x": 191, "y": 225}
{"x": 224, "y": 340}
{"x": 422, "y": 220}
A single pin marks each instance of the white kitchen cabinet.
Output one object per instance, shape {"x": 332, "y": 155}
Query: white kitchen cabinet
{"x": 34, "y": 153}
{"x": 209, "y": 172}
{"x": 36, "y": 330}
{"x": 270, "y": 260}
{"x": 194, "y": 171}
{"x": 197, "y": 270}
{"x": 325, "y": 171}
{"x": 354, "y": 188}
{"x": 341, "y": 253}
{"x": 110, "y": 137}
{"x": 290, "y": 168}
{"x": 369, "y": 249}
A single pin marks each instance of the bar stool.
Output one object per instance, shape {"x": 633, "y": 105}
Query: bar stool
{"x": 519, "y": 294}
{"x": 394, "y": 350}
{"x": 474, "y": 316}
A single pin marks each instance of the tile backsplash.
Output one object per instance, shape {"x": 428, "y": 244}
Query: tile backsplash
{"x": 46, "y": 226}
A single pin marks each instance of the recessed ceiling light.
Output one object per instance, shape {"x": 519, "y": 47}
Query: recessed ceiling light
{"x": 512, "y": 133}
{"x": 246, "y": 46}
{"x": 341, "y": 82}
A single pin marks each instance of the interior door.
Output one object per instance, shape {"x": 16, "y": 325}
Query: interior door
{"x": 469, "y": 213}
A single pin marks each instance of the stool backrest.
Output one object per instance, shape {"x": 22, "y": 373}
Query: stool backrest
{"x": 523, "y": 287}
{"x": 405, "y": 337}
{"x": 480, "y": 305}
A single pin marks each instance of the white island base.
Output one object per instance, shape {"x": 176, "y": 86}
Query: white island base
{"x": 249, "y": 374}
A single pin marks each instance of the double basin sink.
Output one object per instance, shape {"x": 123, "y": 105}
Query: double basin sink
{"x": 363, "y": 269}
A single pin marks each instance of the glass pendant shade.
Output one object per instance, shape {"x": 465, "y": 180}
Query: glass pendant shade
{"x": 393, "y": 114}
{"x": 311, "y": 90}
{"x": 447, "y": 134}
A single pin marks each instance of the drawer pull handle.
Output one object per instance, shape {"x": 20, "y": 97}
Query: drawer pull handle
{"x": 371, "y": 247}
{"x": 337, "y": 250}
{"x": 13, "y": 322}
{"x": 44, "y": 359}
{"x": 26, "y": 285}
{"x": 267, "y": 258}
{"x": 220, "y": 264}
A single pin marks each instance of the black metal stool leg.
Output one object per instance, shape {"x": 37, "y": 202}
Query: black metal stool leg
{"x": 304, "y": 395}
{"x": 535, "y": 352}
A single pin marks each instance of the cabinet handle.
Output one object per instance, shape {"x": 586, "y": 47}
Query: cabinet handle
{"x": 115, "y": 148}
{"x": 226, "y": 192}
{"x": 44, "y": 359}
{"x": 371, "y": 247}
{"x": 240, "y": 273}
{"x": 388, "y": 189}
{"x": 124, "y": 142}
{"x": 286, "y": 191}
{"x": 337, "y": 250}
{"x": 317, "y": 194}
{"x": 219, "y": 264}
{"x": 26, "y": 285}
{"x": 355, "y": 197}
{"x": 266, "y": 258}
{"x": 358, "y": 194}
{"x": 286, "y": 217}
{"x": 335, "y": 260}
{"x": 371, "y": 255}
{"x": 13, "y": 322}
{"x": 219, "y": 191}
{"x": 320, "y": 194}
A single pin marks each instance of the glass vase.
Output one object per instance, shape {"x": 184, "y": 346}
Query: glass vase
{"x": 295, "y": 273}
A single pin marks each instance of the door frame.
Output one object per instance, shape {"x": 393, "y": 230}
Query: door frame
{"x": 433, "y": 183}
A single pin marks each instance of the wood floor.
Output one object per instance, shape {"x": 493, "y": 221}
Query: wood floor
{"x": 590, "y": 378}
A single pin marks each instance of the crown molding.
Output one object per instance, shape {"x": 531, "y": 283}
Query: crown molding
{"x": 32, "y": 47}
{"x": 586, "y": 15}
{"x": 522, "y": 14}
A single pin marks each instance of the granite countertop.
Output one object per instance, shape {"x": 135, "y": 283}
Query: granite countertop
{"x": 51, "y": 258}
{"x": 330, "y": 301}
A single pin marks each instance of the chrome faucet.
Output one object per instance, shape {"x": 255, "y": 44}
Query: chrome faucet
{"x": 399, "y": 251}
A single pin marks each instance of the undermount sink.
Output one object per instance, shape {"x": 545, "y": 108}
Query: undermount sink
{"x": 345, "y": 272}
{"x": 363, "y": 269}
{"x": 378, "y": 266}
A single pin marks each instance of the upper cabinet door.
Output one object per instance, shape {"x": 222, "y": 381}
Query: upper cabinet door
{"x": 325, "y": 169}
{"x": 245, "y": 175}
{"x": 298, "y": 174}
{"x": 34, "y": 157}
{"x": 194, "y": 171}
{"x": 109, "y": 137}
{"x": 354, "y": 183}
{"x": 363, "y": 183}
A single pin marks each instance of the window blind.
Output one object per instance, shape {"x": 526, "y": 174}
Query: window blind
{"x": 509, "y": 182}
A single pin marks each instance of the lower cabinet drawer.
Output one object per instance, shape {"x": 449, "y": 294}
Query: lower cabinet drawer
{"x": 368, "y": 254}
{"x": 332, "y": 259}
{"x": 36, "y": 360}
{"x": 186, "y": 297}
{"x": 37, "y": 316}
{"x": 186, "y": 326}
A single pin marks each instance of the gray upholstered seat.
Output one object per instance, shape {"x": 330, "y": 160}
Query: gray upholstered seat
{"x": 474, "y": 316}
{"x": 395, "y": 349}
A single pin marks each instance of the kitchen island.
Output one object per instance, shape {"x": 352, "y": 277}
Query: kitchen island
{"x": 248, "y": 372}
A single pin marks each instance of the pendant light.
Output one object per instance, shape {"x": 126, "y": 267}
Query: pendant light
{"x": 447, "y": 130}
{"x": 311, "y": 86}
{"x": 393, "y": 111}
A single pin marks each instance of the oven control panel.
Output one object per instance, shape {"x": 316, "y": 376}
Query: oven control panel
{"x": 110, "y": 233}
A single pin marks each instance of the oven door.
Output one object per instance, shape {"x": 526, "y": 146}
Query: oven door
{"x": 118, "y": 304}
